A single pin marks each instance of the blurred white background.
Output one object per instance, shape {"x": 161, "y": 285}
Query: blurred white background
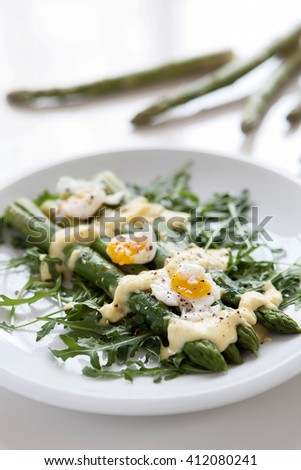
{"x": 61, "y": 42}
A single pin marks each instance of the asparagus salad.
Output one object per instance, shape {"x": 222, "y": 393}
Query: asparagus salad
{"x": 146, "y": 280}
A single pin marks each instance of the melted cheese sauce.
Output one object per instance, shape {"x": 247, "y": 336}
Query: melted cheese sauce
{"x": 208, "y": 259}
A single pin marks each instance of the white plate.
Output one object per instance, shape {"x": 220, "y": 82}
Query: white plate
{"x": 30, "y": 369}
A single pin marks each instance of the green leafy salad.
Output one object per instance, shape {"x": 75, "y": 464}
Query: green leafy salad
{"x": 146, "y": 280}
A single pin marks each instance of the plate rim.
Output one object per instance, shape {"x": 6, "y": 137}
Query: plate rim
{"x": 274, "y": 168}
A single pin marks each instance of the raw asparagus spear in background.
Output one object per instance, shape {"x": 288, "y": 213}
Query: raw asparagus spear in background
{"x": 294, "y": 116}
{"x": 196, "y": 65}
{"x": 223, "y": 77}
{"x": 258, "y": 103}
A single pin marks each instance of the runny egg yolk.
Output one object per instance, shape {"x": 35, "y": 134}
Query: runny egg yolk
{"x": 191, "y": 289}
{"x": 125, "y": 252}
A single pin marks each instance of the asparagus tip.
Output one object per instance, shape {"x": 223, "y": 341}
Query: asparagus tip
{"x": 19, "y": 97}
{"x": 293, "y": 118}
{"x": 248, "y": 126}
{"x": 141, "y": 119}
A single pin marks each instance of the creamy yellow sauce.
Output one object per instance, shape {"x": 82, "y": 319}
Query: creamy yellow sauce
{"x": 50, "y": 207}
{"x": 262, "y": 333}
{"x": 82, "y": 234}
{"x": 252, "y": 300}
{"x": 220, "y": 329}
{"x": 73, "y": 258}
{"x": 118, "y": 309}
{"x": 209, "y": 259}
{"x": 141, "y": 207}
{"x": 45, "y": 274}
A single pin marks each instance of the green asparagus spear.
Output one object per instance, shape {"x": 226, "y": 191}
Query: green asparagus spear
{"x": 131, "y": 81}
{"x": 113, "y": 184}
{"x": 100, "y": 246}
{"x": 31, "y": 222}
{"x": 277, "y": 321}
{"x": 162, "y": 253}
{"x": 247, "y": 339}
{"x": 93, "y": 267}
{"x": 232, "y": 355}
{"x": 230, "y": 293}
{"x": 258, "y": 104}
{"x": 223, "y": 77}
{"x": 155, "y": 314}
{"x": 294, "y": 116}
{"x": 205, "y": 354}
{"x": 274, "y": 320}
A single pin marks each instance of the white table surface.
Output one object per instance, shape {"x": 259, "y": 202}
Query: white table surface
{"x": 60, "y": 42}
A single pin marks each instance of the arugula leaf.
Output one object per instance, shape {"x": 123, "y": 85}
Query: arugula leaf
{"x": 167, "y": 370}
{"x": 171, "y": 191}
{"x": 45, "y": 330}
{"x": 215, "y": 222}
{"x": 88, "y": 346}
{"x": 6, "y": 327}
{"x": 41, "y": 294}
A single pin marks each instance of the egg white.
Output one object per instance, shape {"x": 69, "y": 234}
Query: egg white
{"x": 162, "y": 290}
{"x": 85, "y": 197}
